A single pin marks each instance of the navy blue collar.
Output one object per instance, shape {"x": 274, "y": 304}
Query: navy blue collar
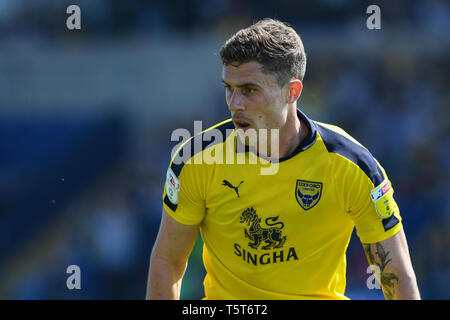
{"x": 306, "y": 143}
{"x": 310, "y": 138}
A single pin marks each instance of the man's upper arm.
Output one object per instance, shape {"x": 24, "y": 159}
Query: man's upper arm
{"x": 175, "y": 240}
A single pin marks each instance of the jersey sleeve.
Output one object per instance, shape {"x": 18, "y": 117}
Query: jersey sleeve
{"x": 369, "y": 199}
{"x": 184, "y": 192}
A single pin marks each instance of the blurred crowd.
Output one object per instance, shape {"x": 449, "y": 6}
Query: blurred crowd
{"x": 110, "y": 18}
{"x": 394, "y": 101}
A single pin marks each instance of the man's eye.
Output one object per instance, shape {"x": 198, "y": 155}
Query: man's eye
{"x": 249, "y": 90}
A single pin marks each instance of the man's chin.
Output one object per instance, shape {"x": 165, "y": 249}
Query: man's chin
{"x": 248, "y": 136}
{"x": 250, "y": 139}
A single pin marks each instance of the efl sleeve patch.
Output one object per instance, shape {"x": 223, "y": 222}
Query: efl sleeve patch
{"x": 172, "y": 186}
{"x": 383, "y": 198}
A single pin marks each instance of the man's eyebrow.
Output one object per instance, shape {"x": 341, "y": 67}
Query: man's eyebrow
{"x": 247, "y": 84}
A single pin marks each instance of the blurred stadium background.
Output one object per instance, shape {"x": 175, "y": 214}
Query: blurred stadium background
{"x": 86, "y": 118}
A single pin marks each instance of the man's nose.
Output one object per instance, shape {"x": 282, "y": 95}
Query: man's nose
{"x": 236, "y": 103}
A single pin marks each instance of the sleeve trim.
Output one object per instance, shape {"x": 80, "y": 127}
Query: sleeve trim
{"x": 378, "y": 238}
{"x": 180, "y": 219}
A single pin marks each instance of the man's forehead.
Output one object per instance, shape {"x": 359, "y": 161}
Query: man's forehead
{"x": 234, "y": 73}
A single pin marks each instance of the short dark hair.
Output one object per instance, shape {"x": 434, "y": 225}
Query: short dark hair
{"x": 273, "y": 44}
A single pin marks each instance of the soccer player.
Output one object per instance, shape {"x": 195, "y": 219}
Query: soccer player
{"x": 282, "y": 235}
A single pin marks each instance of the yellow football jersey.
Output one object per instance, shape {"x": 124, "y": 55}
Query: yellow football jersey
{"x": 282, "y": 235}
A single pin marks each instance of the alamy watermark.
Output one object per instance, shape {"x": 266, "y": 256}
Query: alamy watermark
{"x": 374, "y": 20}
{"x": 74, "y": 280}
{"x": 372, "y": 282}
{"x": 263, "y": 142}
{"x": 74, "y": 20}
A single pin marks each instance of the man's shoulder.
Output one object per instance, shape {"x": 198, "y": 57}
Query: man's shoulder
{"x": 193, "y": 146}
{"x": 338, "y": 141}
{"x": 331, "y": 134}
{"x": 214, "y": 135}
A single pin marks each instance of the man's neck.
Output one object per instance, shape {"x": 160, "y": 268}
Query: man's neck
{"x": 283, "y": 142}
{"x": 292, "y": 134}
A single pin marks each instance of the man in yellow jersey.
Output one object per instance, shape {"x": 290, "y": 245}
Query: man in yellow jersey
{"x": 282, "y": 235}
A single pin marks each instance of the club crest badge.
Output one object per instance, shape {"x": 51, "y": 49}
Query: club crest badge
{"x": 308, "y": 193}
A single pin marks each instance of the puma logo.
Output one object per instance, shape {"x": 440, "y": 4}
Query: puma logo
{"x": 228, "y": 184}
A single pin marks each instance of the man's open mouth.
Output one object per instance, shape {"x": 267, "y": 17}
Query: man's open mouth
{"x": 243, "y": 125}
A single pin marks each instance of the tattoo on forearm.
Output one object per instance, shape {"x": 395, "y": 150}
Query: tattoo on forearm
{"x": 388, "y": 280}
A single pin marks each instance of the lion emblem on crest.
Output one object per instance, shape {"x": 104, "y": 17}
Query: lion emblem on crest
{"x": 272, "y": 236}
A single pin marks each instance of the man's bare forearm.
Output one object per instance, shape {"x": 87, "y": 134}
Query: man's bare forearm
{"x": 398, "y": 281}
{"x": 164, "y": 281}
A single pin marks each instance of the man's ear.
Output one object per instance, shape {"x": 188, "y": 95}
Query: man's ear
{"x": 295, "y": 87}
